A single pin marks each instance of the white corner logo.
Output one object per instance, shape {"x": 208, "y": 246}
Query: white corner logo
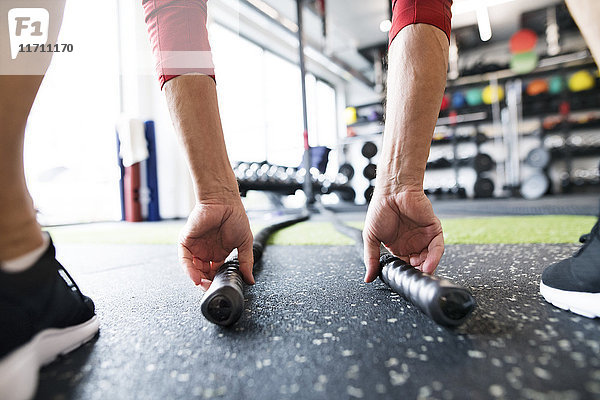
{"x": 27, "y": 26}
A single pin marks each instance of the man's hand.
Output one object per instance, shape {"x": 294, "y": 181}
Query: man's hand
{"x": 405, "y": 223}
{"x": 212, "y": 231}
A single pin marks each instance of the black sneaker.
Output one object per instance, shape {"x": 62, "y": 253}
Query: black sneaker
{"x": 574, "y": 283}
{"x": 42, "y": 315}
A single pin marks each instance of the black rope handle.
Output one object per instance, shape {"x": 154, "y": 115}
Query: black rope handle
{"x": 446, "y": 303}
{"x": 223, "y": 303}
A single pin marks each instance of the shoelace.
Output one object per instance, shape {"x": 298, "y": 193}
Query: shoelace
{"x": 587, "y": 238}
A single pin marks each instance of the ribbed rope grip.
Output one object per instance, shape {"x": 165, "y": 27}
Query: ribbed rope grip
{"x": 223, "y": 303}
{"x": 444, "y": 302}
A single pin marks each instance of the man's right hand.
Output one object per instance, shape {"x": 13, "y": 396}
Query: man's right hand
{"x": 212, "y": 231}
{"x": 405, "y": 223}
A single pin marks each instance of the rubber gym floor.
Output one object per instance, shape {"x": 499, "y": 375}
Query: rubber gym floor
{"x": 313, "y": 330}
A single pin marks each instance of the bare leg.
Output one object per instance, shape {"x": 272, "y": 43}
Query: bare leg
{"x": 586, "y": 14}
{"x": 20, "y": 79}
{"x": 19, "y": 230}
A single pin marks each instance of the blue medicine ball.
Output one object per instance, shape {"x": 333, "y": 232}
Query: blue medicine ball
{"x": 458, "y": 100}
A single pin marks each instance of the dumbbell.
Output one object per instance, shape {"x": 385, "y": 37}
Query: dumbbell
{"x": 370, "y": 171}
{"x": 458, "y": 191}
{"x": 369, "y": 150}
{"x": 554, "y": 141}
{"x": 441, "y": 162}
{"x": 314, "y": 174}
{"x": 252, "y": 172}
{"x": 581, "y": 177}
{"x": 262, "y": 172}
{"x": 341, "y": 179}
{"x": 280, "y": 175}
{"x": 240, "y": 170}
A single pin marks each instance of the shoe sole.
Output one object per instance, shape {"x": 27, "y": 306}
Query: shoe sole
{"x": 582, "y": 303}
{"x": 19, "y": 369}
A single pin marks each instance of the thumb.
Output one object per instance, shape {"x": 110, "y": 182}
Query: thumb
{"x": 371, "y": 255}
{"x": 246, "y": 260}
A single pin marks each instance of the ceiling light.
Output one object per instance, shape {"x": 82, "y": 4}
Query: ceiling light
{"x": 483, "y": 22}
{"x": 385, "y": 25}
{"x": 264, "y": 7}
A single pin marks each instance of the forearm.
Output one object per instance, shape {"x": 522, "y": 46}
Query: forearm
{"x": 192, "y": 101}
{"x": 418, "y": 60}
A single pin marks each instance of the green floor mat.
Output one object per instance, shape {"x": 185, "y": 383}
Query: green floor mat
{"x": 522, "y": 229}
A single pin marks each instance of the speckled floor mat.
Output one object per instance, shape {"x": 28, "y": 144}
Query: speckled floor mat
{"x": 313, "y": 330}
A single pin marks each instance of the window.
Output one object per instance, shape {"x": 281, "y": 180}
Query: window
{"x": 240, "y": 88}
{"x": 260, "y": 100}
{"x": 70, "y": 149}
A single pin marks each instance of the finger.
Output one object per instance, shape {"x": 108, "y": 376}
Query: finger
{"x": 371, "y": 256}
{"x": 418, "y": 259}
{"x": 435, "y": 253}
{"x": 186, "y": 260}
{"x": 246, "y": 259}
{"x": 205, "y": 284}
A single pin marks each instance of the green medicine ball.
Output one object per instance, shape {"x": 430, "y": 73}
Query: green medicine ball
{"x": 556, "y": 84}
{"x": 473, "y": 97}
{"x": 523, "y": 63}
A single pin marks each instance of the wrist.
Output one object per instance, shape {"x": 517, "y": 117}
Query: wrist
{"x": 217, "y": 187}
{"x": 391, "y": 182}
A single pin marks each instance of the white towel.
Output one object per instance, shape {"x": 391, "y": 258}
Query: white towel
{"x": 134, "y": 147}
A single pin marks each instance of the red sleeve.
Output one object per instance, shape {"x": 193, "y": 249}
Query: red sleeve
{"x": 179, "y": 39}
{"x": 432, "y": 12}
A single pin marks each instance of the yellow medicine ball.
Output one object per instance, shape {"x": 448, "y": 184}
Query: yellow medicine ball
{"x": 581, "y": 80}
{"x": 350, "y": 115}
{"x": 488, "y": 94}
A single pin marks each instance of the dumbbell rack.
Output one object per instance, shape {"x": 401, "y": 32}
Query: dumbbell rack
{"x": 572, "y": 148}
{"x": 263, "y": 176}
{"x": 564, "y": 130}
{"x": 480, "y": 162}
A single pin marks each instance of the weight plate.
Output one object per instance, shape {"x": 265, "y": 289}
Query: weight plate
{"x": 346, "y": 194}
{"x": 535, "y": 186}
{"x": 538, "y": 158}
{"x": 480, "y": 138}
{"x": 482, "y": 162}
{"x": 369, "y": 150}
{"x": 347, "y": 170}
{"x": 370, "y": 171}
{"x": 369, "y": 193}
{"x": 484, "y": 187}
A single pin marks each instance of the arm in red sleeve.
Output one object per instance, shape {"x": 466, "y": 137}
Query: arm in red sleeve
{"x": 432, "y": 12}
{"x": 179, "y": 39}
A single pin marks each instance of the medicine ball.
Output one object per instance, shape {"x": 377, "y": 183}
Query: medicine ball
{"x": 489, "y": 92}
{"x": 581, "y": 80}
{"x": 523, "y": 63}
{"x": 522, "y": 41}
{"x": 473, "y": 97}
{"x": 537, "y": 86}
{"x": 458, "y": 100}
